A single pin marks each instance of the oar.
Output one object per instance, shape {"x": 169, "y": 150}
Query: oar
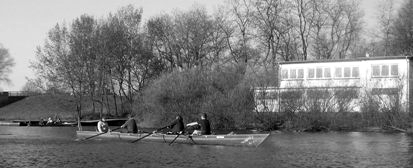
{"x": 100, "y": 134}
{"x": 142, "y": 137}
{"x": 174, "y": 139}
{"x": 149, "y": 134}
{"x": 192, "y": 140}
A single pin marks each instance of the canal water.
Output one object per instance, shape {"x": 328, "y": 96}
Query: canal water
{"x": 57, "y": 147}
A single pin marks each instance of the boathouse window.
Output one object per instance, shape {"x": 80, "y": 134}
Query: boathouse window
{"x": 347, "y": 72}
{"x": 284, "y": 74}
{"x": 355, "y": 72}
{"x": 311, "y": 73}
{"x": 300, "y": 73}
{"x": 385, "y": 70}
{"x": 338, "y": 72}
{"x": 385, "y": 91}
{"x": 346, "y": 94}
{"x": 327, "y": 73}
{"x": 376, "y": 70}
{"x": 319, "y": 73}
{"x": 394, "y": 70}
{"x": 293, "y": 73}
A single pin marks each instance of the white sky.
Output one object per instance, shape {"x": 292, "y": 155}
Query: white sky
{"x": 24, "y": 23}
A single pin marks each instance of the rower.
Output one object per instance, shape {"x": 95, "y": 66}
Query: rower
{"x": 103, "y": 126}
{"x": 177, "y": 125}
{"x": 49, "y": 121}
{"x": 130, "y": 124}
{"x": 202, "y": 127}
{"x": 42, "y": 122}
{"x": 58, "y": 121}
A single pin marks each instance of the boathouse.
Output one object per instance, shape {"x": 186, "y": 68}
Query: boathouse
{"x": 349, "y": 85}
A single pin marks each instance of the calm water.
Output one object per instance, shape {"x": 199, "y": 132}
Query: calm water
{"x": 56, "y": 147}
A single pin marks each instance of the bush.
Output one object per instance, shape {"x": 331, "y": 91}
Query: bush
{"x": 220, "y": 93}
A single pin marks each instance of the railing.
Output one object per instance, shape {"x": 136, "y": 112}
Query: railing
{"x": 19, "y": 93}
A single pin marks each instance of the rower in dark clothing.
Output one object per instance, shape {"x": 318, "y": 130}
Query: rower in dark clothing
{"x": 205, "y": 125}
{"x": 202, "y": 127}
{"x": 177, "y": 125}
{"x": 131, "y": 125}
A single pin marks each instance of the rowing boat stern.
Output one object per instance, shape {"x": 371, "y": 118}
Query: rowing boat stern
{"x": 255, "y": 139}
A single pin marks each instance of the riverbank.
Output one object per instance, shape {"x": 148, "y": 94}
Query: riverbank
{"x": 35, "y": 108}
{"x": 39, "y": 107}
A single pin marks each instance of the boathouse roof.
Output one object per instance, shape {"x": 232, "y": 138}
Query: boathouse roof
{"x": 349, "y": 60}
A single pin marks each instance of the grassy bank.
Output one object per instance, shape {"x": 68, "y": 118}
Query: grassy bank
{"x": 40, "y": 106}
{"x": 43, "y": 106}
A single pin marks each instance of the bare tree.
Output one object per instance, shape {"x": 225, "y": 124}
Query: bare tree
{"x": 402, "y": 29}
{"x": 129, "y": 19}
{"x": 337, "y": 27}
{"x": 186, "y": 39}
{"x": 271, "y": 25}
{"x": 83, "y": 54}
{"x": 161, "y": 37}
{"x": 56, "y": 63}
{"x": 6, "y": 63}
{"x": 385, "y": 19}
{"x": 306, "y": 15}
{"x": 241, "y": 14}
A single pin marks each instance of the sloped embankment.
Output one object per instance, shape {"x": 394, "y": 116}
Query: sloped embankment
{"x": 40, "y": 106}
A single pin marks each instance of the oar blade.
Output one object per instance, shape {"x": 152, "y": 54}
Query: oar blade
{"x": 142, "y": 137}
{"x": 98, "y": 134}
{"x": 174, "y": 139}
{"x": 149, "y": 134}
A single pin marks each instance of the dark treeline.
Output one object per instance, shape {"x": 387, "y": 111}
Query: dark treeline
{"x": 193, "y": 62}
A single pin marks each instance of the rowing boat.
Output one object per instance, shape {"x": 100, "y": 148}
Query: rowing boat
{"x": 225, "y": 139}
{"x": 253, "y": 140}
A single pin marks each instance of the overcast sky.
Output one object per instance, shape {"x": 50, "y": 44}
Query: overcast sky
{"x": 24, "y": 23}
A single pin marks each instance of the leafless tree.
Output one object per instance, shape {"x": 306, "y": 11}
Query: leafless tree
{"x": 186, "y": 39}
{"x": 386, "y": 14}
{"x": 402, "y": 30}
{"x": 6, "y": 63}
{"x": 337, "y": 27}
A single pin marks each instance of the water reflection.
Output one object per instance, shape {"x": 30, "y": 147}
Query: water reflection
{"x": 55, "y": 147}
{"x": 409, "y": 140}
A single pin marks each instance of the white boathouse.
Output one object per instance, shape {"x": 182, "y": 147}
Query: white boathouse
{"x": 339, "y": 85}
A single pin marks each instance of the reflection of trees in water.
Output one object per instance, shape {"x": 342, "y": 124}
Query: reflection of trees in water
{"x": 409, "y": 138}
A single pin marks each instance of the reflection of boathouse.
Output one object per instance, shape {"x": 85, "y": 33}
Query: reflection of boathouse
{"x": 339, "y": 85}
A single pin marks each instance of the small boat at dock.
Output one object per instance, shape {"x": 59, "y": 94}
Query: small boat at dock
{"x": 37, "y": 123}
{"x": 7, "y": 123}
{"x": 253, "y": 140}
